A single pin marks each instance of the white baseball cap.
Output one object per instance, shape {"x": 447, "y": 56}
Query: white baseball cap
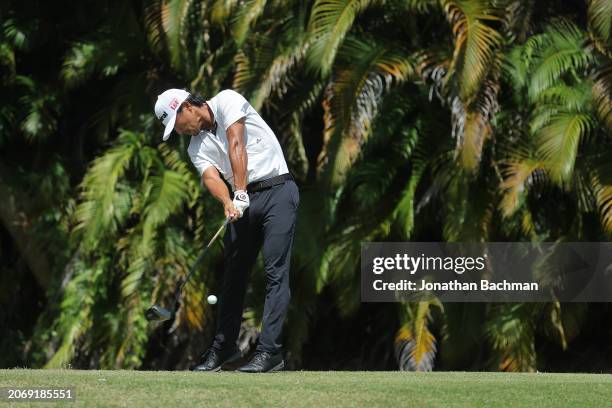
{"x": 166, "y": 106}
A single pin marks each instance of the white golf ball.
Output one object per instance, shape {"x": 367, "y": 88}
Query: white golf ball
{"x": 212, "y": 299}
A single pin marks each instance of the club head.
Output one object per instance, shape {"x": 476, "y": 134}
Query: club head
{"x": 157, "y": 314}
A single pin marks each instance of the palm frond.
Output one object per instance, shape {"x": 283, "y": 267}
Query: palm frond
{"x": 476, "y": 43}
{"x": 41, "y": 107}
{"x": 515, "y": 69}
{"x": 339, "y": 267}
{"x": 469, "y": 214}
{"x": 194, "y": 309}
{"x": 85, "y": 58}
{"x": 415, "y": 345}
{"x": 7, "y": 62}
{"x": 476, "y": 130}
{"x": 265, "y": 72}
{"x": 602, "y": 93}
{"x": 510, "y": 331}
{"x": 518, "y": 19}
{"x": 558, "y": 143}
{"x": 472, "y": 123}
{"x": 221, "y": 10}
{"x": 166, "y": 27}
{"x": 210, "y": 81}
{"x": 405, "y": 209}
{"x": 294, "y": 147}
{"x": 600, "y": 25}
{"x": 246, "y": 16}
{"x": 556, "y": 321}
{"x": 601, "y": 183}
{"x": 351, "y": 100}
{"x": 559, "y": 50}
{"x": 79, "y": 64}
{"x": 567, "y": 98}
{"x": 17, "y": 35}
{"x": 165, "y": 194}
{"x": 264, "y": 64}
{"x": 518, "y": 175}
{"x": 421, "y": 6}
{"x": 103, "y": 204}
{"x": 132, "y": 348}
{"x": 572, "y": 319}
{"x": 75, "y": 319}
{"x": 330, "y": 21}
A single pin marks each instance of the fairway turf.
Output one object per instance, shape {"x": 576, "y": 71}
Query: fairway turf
{"x": 317, "y": 388}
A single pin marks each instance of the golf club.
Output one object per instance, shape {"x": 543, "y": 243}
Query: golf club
{"x": 157, "y": 313}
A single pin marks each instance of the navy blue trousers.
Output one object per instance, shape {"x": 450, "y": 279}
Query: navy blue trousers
{"x": 269, "y": 222}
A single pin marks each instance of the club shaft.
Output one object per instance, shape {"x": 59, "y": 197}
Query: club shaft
{"x": 196, "y": 264}
{"x": 227, "y": 220}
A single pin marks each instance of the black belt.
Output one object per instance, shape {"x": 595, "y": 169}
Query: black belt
{"x": 263, "y": 184}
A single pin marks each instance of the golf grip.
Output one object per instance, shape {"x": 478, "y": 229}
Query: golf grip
{"x": 197, "y": 263}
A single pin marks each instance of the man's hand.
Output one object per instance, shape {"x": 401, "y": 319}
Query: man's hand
{"x": 241, "y": 201}
{"x": 230, "y": 210}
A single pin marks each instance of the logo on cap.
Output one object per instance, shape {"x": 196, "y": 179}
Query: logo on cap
{"x": 173, "y": 103}
{"x": 163, "y": 116}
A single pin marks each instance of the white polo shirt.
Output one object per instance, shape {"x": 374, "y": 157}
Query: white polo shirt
{"x": 265, "y": 157}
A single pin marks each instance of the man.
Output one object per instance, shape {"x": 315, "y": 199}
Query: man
{"x": 230, "y": 139}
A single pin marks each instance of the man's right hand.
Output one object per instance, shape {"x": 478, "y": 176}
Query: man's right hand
{"x": 230, "y": 210}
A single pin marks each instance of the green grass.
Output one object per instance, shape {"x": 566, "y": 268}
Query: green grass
{"x": 312, "y": 389}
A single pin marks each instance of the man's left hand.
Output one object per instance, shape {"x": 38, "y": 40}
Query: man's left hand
{"x": 241, "y": 201}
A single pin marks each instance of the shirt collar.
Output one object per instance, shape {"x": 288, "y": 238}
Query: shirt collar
{"x": 212, "y": 103}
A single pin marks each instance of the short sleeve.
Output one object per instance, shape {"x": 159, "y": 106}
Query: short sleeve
{"x": 199, "y": 160}
{"x": 232, "y": 106}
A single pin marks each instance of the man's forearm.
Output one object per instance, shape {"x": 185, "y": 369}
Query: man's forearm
{"x": 238, "y": 158}
{"x": 237, "y": 154}
{"x": 217, "y": 188}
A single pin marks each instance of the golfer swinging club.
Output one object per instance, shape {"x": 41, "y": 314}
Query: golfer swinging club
{"x": 230, "y": 139}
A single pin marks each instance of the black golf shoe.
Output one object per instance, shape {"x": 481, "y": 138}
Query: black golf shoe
{"x": 264, "y": 362}
{"x": 213, "y": 359}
